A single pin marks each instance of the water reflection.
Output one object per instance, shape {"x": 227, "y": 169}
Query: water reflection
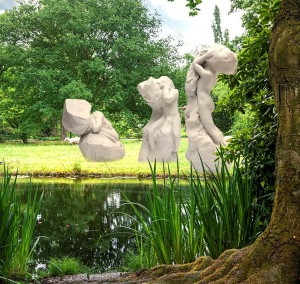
{"x": 83, "y": 221}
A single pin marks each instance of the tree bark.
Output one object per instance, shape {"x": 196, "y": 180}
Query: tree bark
{"x": 284, "y": 70}
{"x": 24, "y": 138}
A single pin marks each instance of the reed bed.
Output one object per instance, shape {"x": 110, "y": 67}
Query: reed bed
{"x": 17, "y": 224}
{"x": 217, "y": 211}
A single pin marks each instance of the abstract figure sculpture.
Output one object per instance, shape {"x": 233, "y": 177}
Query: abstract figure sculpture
{"x": 161, "y": 135}
{"x": 99, "y": 141}
{"x": 203, "y": 135}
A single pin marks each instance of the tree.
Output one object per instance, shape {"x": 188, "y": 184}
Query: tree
{"x": 216, "y": 26}
{"x": 226, "y": 38}
{"x": 52, "y": 50}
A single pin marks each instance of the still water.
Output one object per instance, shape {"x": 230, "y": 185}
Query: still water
{"x": 83, "y": 220}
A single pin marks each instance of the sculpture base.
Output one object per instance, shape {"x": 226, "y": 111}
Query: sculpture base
{"x": 97, "y": 147}
{"x": 162, "y": 151}
{"x": 208, "y": 160}
{"x": 202, "y": 146}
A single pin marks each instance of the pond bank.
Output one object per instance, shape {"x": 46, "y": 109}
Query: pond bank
{"x": 62, "y": 160}
{"x": 108, "y": 277}
{"x": 163, "y": 274}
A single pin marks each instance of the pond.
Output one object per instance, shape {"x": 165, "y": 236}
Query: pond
{"x": 83, "y": 220}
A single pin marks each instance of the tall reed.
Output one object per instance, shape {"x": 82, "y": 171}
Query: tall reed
{"x": 17, "y": 224}
{"x": 215, "y": 212}
{"x": 163, "y": 225}
{"x": 226, "y": 205}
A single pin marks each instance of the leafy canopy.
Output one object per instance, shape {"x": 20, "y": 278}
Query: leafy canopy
{"x": 97, "y": 50}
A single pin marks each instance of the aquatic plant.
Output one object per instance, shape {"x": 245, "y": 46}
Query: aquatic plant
{"x": 226, "y": 203}
{"x": 17, "y": 224}
{"x": 215, "y": 212}
{"x": 65, "y": 266}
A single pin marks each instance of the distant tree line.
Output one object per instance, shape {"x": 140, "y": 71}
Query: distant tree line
{"x": 97, "y": 50}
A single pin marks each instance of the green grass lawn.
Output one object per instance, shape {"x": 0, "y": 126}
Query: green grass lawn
{"x": 62, "y": 159}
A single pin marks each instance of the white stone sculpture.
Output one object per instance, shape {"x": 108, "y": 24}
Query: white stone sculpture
{"x": 203, "y": 135}
{"x": 99, "y": 141}
{"x": 73, "y": 141}
{"x": 161, "y": 135}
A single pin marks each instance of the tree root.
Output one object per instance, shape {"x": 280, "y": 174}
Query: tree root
{"x": 262, "y": 262}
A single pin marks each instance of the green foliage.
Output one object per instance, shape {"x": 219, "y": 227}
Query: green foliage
{"x": 17, "y": 225}
{"x": 192, "y": 5}
{"x": 226, "y": 39}
{"x": 251, "y": 96}
{"x": 160, "y": 224}
{"x": 216, "y": 26}
{"x": 215, "y": 213}
{"x": 94, "y": 50}
{"x": 48, "y": 138}
{"x": 229, "y": 196}
{"x": 128, "y": 124}
{"x": 65, "y": 266}
{"x": 133, "y": 262}
{"x": 242, "y": 122}
{"x": 221, "y": 118}
{"x": 77, "y": 168}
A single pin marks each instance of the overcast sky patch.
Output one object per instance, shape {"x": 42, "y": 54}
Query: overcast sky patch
{"x": 7, "y": 4}
{"x": 194, "y": 32}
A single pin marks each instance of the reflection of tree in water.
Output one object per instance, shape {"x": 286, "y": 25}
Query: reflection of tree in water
{"x": 81, "y": 220}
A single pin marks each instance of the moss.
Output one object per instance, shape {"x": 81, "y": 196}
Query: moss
{"x": 202, "y": 263}
{"x": 161, "y": 270}
{"x": 259, "y": 263}
{"x": 178, "y": 278}
{"x": 247, "y": 265}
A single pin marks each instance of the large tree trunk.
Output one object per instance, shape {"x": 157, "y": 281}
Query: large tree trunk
{"x": 275, "y": 256}
{"x": 284, "y": 69}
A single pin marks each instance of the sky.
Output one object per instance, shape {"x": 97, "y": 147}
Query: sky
{"x": 194, "y": 32}
{"x": 6, "y": 4}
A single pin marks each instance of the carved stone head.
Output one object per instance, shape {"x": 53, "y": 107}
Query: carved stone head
{"x": 151, "y": 92}
{"x": 77, "y": 116}
{"x": 222, "y": 60}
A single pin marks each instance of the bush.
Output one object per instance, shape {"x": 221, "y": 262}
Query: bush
{"x": 127, "y": 124}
